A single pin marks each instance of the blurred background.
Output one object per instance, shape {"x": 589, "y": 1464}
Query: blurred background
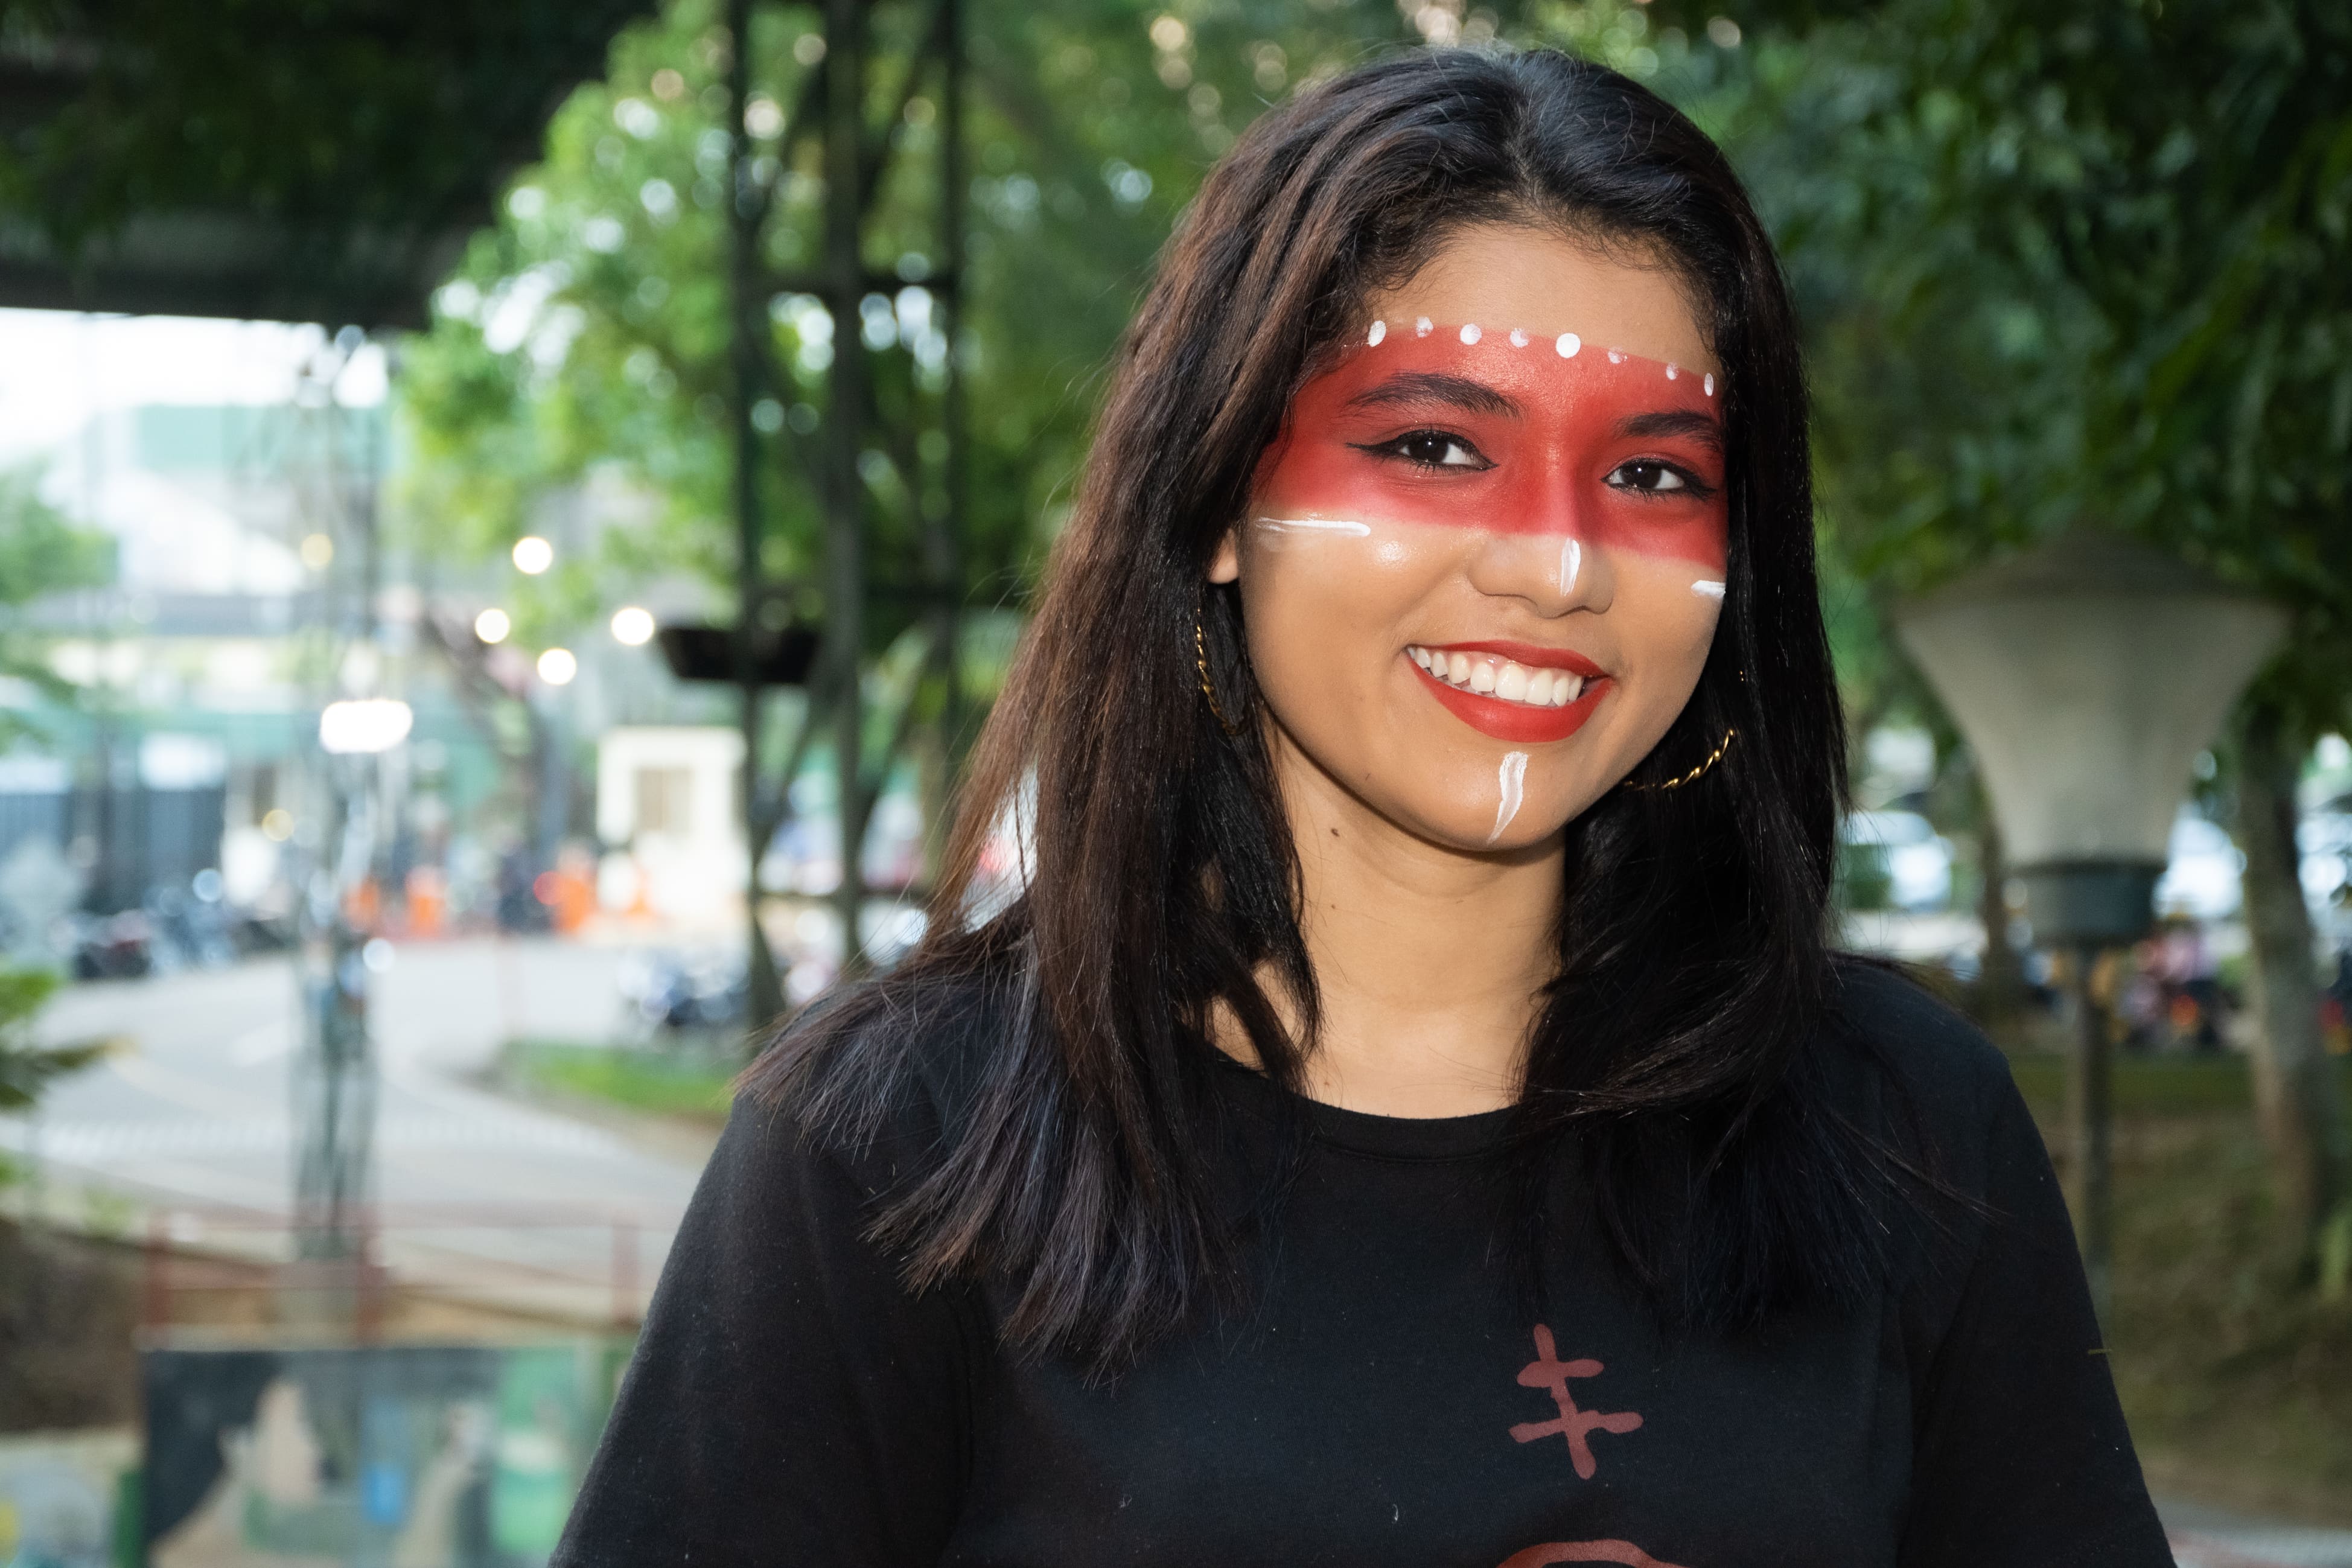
{"x": 511, "y": 516}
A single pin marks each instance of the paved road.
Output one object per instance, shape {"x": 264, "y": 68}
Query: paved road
{"x": 2214, "y": 1538}
{"x": 190, "y": 1119}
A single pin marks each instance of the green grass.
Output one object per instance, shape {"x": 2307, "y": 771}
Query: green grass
{"x": 684, "y": 1084}
{"x": 2160, "y": 1086}
{"x": 2230, "y": 1367}
{"x": 2155, "y": 1086}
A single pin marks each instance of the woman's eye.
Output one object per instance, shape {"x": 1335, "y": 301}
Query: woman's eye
{"x": 1433, "y": 449}
{"x": 1649, "y": 476}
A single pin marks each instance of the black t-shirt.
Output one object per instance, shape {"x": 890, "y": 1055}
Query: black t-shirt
{"x": 1386, "y": 1398}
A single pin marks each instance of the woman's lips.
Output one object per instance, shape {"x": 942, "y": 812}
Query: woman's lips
{"x": 1512, "y": 691}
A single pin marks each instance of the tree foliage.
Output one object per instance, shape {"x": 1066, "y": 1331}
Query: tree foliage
{"x": 40, "y": 553}
{"x": 587, "y": 331}
{"x": 2070, "y": 267}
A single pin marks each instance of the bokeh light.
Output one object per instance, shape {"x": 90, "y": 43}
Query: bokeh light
{"x": 633, "y": 625}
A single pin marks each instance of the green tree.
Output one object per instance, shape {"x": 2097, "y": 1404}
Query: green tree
{"x": 589, "y": 332}
{"x": 2068, "y": 266}
{"x": 40, "y": 553}
{"x": 26, "y": 1066}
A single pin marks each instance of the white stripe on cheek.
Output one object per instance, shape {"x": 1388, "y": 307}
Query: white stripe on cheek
{"x": 1707, "y": 588}
{"x": 1316, "y": 525}
{"x": 1511, "y": 779}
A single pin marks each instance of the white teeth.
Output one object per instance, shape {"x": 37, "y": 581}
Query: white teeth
{"x": 1536, "y": 686}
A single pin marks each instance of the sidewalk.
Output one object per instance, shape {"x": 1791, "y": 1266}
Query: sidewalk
{"x": 2213, "y": 1538}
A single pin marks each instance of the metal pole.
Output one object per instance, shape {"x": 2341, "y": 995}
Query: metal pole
{"x": 746, "y": 213}
{"x": 625, "y": 1273}
{"x": 155, "y": 1284}
{"x": 2090, "y": 1124}
{"x": 948, "y": 565}
{"x": 845, "y": 566}
{"x": 334, "y": 1084}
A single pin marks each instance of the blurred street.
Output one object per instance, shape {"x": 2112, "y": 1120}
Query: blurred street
{"x": 2216, "y": 1538}
{"x": 189, "y": 1114}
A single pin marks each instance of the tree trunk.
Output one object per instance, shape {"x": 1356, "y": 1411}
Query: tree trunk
{"x": 2001, "y": 982}
{"x": 2298, "y": 1101}
{"x": 747, "y": 213}
{"x": 845, "y": 492}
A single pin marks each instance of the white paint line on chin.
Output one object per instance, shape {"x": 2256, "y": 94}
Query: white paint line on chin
{"x": 1511, "y": 779}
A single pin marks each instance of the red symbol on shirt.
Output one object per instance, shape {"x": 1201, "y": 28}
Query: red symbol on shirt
{"x": 1554, "y": 1551}
{"x": 1548, "y": 1371}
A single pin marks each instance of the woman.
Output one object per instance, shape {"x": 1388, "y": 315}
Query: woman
{"x": 1407, "y": 1114}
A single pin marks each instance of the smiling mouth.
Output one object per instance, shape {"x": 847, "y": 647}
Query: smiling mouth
{"x": 1504, "y": 680}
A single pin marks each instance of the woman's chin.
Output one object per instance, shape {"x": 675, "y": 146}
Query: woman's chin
{"x": 1476, "y": 832}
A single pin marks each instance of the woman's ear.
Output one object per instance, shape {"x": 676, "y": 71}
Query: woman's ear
{"x": 1225, "y": 565}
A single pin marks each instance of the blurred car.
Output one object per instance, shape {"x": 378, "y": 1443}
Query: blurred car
{"x": 673, "y": 993}
{"x": 1895, "y": 859}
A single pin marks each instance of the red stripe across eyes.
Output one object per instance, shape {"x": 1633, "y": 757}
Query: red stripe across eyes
{"x": 1549, "y": 433}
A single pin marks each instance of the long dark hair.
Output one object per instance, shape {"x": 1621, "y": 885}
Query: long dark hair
{"x": 1078, "y": 1171}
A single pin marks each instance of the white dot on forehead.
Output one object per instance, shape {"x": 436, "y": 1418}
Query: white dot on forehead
{"x": 1708, "y": 382}
{"x": 1471, "y": 334}
{"x": 1518, "y": 337}
{"x": 1380, "y": 331}
{"x": 1673, "y": 371}
{"x": 1420, "y": 328}
{"x": 1567, "y": 344}
{"x": 1616, "y": 356}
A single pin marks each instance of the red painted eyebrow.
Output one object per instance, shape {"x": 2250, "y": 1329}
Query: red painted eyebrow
{"x": 1430, "y": 386}
{"x": 1703, "y": 427}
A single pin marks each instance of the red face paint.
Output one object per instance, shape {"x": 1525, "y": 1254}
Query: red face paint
{"x": 1508, "y": 432}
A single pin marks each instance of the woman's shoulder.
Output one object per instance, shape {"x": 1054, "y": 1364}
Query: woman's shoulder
{"x": 877, "y": 1073}
{"x": 1884, "y": 1026}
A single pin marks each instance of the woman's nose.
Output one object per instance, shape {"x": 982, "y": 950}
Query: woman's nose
{"x": 1553, "y": 572}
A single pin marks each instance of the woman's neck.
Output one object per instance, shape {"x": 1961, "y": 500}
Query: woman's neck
{"x": 1429, "y": 963}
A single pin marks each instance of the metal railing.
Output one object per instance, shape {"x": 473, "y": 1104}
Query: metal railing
{"x": 397, "y": 1266}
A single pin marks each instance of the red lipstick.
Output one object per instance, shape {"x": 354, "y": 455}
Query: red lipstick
{"x": 1521, "y": 722}
{"x": 1533, "y": 654}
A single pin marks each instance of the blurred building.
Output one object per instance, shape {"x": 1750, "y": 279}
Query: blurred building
{"x": 182, "y": 769}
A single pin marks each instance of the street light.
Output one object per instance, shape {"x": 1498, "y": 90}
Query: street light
{"x": 2087, "y": 674}
{"x": 364, "y": 725}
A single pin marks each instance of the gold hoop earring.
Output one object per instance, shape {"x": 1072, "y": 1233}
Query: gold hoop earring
{"x": 1696, "y": 774}
{"x": 1201, "y": 662}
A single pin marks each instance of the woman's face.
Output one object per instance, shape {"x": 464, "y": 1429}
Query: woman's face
{"x": 1481, "y": 567}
